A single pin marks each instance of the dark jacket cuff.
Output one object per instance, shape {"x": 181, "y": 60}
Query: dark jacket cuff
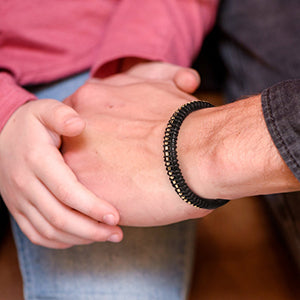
{"x": 281, "y": 109}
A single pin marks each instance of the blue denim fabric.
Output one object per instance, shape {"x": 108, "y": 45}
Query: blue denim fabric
{"x": 150, "y": 264}
{"x": 61, "y": 89}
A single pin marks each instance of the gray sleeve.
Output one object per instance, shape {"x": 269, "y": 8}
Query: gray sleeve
{"x": 281, "y": 109}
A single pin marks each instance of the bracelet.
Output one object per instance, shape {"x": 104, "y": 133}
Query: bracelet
{"x": 171, "y": 161}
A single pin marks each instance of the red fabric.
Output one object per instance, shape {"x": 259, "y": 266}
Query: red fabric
{"x": 41, "y": 41}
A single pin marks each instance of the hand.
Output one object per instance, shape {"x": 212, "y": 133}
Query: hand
{"x": 185, "y": 79}
{"x": 119, "y": 154}
{"x": 51, "y": 207}
{"x": 224, "y": 152}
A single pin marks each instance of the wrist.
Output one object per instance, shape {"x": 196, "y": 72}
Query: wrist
{"x": 194, "y": 152}
{"x": 171, "y": 157}
{"x": 226, "y": 152}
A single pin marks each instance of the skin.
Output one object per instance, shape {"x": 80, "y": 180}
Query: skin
{"x": 233, "y": 153}
{"x": 224, "y": 152}
{"x": 119, "y": 154}
{"x": 230, "y": 149}
{"x": 50, "y": 205}
{"x": 39, "y": 189}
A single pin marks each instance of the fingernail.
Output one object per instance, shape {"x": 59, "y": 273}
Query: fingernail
{"x": 115, "y": 238}
{"x": 109, "y": 219}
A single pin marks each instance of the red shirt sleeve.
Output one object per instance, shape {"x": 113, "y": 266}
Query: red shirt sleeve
{"x": 11, "y": 97}
{"x": 50, "y": 43}
{"x": 168, "y": 30}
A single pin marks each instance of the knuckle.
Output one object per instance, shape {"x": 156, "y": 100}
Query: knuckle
{"x": 90, "y": 92}
{"x": 64, "y": 194}
{"x": 80, "y": 95}
{"x": 82, "y": 92}
{"x": 30, "y": 233}
{"x": 19, "y": 181}
{"x": 34, "y": 156}
{"x": 58, "y": 222}
{"x": 49, "y": 233}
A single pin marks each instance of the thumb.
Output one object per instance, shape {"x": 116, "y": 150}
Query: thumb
{"x": 60, "y": 118}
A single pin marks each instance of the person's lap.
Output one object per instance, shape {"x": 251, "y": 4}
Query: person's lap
{"x": 150, "y": 263}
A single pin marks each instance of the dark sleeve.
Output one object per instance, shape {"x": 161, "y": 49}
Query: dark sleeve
{"x": 281, "y": 109}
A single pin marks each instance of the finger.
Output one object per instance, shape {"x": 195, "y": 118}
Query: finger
{"x": 54, "y": 173}
{"x": 69, "y": 220}
{"x": 57, "y": 176}
{"x": 150, "y": 71}
{"x": 186, "y": 79}
{"x": 35, "y": 237}
{"x": 49, "y": 232}
{"x": 60, "y": 118}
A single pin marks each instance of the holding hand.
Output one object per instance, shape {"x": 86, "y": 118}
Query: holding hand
{"x": 119, "y": 154}
{"x": 224, "y": 152}
{"x": 51, "y": 207}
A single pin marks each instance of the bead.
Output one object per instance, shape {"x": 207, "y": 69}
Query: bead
{"x": 171, "y": 161}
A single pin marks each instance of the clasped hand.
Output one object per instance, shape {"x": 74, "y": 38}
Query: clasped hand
{"x": 119, "y": 154}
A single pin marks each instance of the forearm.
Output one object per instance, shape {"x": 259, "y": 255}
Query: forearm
{"x": 232, "y": 152}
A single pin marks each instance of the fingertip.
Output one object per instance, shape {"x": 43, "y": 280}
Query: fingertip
{"x": 196, "y": 76}
{"x": 110, "y": 219}
{"x": 116, "y": 237}
{"x": 110, "y": 215}
{"x": 187, "y": 79}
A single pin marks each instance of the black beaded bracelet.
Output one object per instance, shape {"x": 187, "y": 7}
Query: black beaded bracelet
{"x": 171, "y": 161}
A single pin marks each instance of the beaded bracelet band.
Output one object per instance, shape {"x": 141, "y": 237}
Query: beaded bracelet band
{"x": 171, "y": 161}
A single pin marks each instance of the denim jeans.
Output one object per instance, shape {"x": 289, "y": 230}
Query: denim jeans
{"x": 150, "y": 263}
